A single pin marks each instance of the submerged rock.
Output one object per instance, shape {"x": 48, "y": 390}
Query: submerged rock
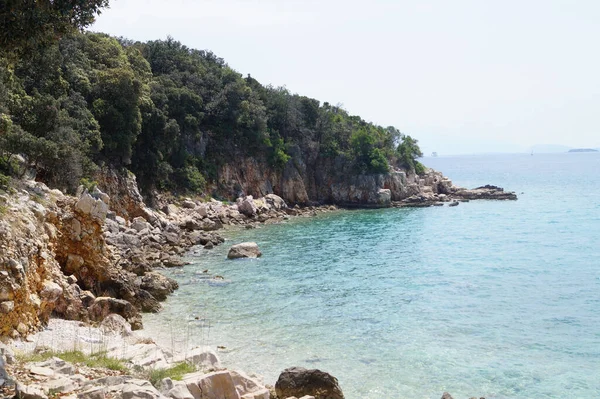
{"x": 244, "y": 250}
{"x": 298, "y": 382}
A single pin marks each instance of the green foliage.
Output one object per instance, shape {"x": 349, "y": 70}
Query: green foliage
{"x": 367, "y": 154}
{"x": 420, "y": 168}
{"x": 4, "y": 181}
{"x": 171, "y": 114}
{"x": 26, "y": 24}
{"x": 277, "y": 151}
{"x": 155, "y": 376}
{"x": 88, "y": 184}
{"x": 407, "y": 152}
{"x": 190, "y": 178}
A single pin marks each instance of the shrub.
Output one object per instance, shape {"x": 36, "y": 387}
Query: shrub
{"x": 191, "y": 179}
{"x": 4, "y": 181}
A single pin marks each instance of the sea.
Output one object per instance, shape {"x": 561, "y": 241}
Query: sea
{"x": 494, "y": 299}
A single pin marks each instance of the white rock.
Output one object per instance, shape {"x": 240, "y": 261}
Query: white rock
{"x": 50, "y": 291}
{"x": 60, "y": 384}
{"x": 217, "y": 385}
{"x": 29, "y": 392}
{"x": 38, "y": 370}
{"x": 188, "y": 204}
{"x": 175, "y": 389}
{"x": 204, "y": 357}
{"x": 247, "y": 206}
{"x": 244, "y": 250}
{"x": 139, "y": 224}
{"x": 138, "y": 389}
{"x": 275, "y": 202}
{"x": 7, "y": 307}
{"x": 248, "y": 387}
{"x": 58, "y": 366}
{"x": 93, "y": 393}
{"x": 384, "y": 197}
{"x": 116, "y": 324}
{"x": 201, "y": 210}
{"x": 85, "y": 203}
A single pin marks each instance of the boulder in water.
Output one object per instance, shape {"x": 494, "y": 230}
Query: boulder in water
{"x": 244, "y": 250}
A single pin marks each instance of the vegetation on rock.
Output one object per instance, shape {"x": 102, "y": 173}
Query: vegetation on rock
{"x": 170, "y": 114}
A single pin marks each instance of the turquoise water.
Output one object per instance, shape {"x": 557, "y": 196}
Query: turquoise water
{"x": 494, "y": 299}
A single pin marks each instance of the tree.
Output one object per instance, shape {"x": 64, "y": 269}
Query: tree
{"x": 25, "y": 24}
{"x": 368, "y": 156}
{"x": 408, "y": 151}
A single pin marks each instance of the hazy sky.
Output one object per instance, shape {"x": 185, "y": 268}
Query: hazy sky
{"x": 460, "y": 76}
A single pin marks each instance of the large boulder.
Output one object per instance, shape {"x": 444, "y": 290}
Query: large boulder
{"x": 88, "y": 205}
{"x": 244, "y": 250}
{"x": 275, "y": 202}
{"x": 205, "y": 358}
{"x": 158, "y": 285}
{"x": 298, "y": 382}
{"x": 103, "y": 306}
{"x": 247, "y": 206}
{"x": 217, "y": 385}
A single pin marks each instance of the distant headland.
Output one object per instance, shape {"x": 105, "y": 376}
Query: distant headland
{"x": 583, "y": 150}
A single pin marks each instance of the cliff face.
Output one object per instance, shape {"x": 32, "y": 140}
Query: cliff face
{"x": 304, "y": 180}
{"x": 32, "y": 284}
{"x": 54, "y": 259}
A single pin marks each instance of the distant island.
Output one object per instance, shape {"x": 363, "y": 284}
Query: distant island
{"x": 583, "y": 150}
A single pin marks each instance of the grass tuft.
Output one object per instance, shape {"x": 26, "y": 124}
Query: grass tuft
{"x": 176, "y": 372}
{"x": 97, "y": 360}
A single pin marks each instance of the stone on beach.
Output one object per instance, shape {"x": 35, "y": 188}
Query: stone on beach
{"x": 247, "y": 206}
{"x": 299, "y": 382}
{"x": 244, "y": 250}
{"x": 217, "y": 385}
{"x": 204, "y": 358}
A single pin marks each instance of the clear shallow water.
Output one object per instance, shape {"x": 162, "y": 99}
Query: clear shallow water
{"x": 494, "y": 299}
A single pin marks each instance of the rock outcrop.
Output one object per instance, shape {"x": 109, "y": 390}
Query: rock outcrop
{"x": 244, "y": 250}
{"x": 298, "y": 382}
{"x": 309, "y": 181}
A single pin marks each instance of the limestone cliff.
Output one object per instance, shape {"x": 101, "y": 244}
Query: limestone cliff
{"x": 331, "y": 181}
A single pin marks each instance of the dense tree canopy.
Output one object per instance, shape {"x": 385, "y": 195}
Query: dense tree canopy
{"x": 28, "y": 24}
{"x": 170, "y": 114}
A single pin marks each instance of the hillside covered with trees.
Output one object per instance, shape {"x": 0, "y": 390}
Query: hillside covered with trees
{"x": 172, "y": 115}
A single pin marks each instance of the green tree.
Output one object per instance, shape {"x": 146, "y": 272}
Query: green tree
{"x": 26, "y": 24}
{"x": 408, "y": 151}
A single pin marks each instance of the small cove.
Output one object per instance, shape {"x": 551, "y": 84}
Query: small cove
{"x": 495, "y": 299}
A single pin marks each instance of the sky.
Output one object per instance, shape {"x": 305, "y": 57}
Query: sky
{"x": 461, "y": 76}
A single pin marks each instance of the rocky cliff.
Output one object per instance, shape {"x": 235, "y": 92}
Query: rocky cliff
{"x": 308, "y": 181}
{"x": 331, "y": 181}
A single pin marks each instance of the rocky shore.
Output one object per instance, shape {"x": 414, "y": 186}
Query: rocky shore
{"x": 136, "y": 367}
{"x": 95, "y": 258}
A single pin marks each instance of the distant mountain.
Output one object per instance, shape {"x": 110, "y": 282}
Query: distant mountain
{"x": 583, "y": 150}
{"x": 549, "y": 148}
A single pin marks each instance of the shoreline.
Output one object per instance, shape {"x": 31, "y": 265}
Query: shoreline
{"x": 99, "y": 261}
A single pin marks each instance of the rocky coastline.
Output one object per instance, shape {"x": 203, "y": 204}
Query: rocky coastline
{"x": 96, "y": 256}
